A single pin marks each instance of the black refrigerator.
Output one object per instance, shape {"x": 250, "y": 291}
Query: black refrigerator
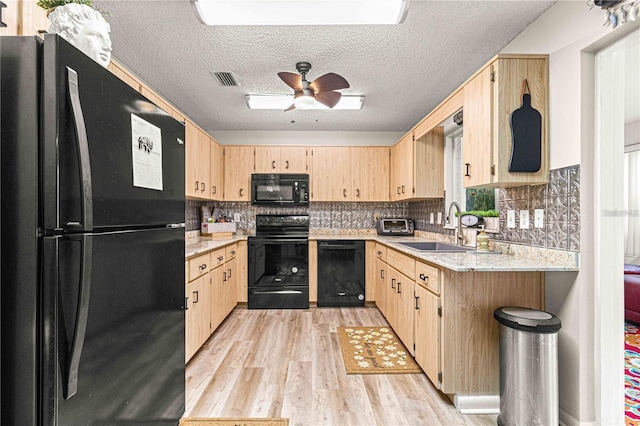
{"x": 92, "y": 296}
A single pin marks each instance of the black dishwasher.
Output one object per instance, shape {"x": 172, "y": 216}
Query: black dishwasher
{"x": 341, "y": 273}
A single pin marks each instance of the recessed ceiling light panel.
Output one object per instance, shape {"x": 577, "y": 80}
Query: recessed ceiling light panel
{"x": 301, "y": 12}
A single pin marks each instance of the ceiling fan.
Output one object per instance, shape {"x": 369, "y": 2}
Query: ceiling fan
{"x": 322, "y": 89}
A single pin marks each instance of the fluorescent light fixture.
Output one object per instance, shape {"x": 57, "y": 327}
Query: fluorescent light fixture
{"x": 283, "y": 102}
{"x": 301, "y": 12}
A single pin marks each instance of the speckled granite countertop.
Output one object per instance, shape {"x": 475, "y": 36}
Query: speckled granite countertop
{"x": 196, "y": 247}
{"x": 513, "y": 258}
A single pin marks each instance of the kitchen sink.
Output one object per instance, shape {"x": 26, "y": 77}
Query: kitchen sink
{"x": 434, "y": 246}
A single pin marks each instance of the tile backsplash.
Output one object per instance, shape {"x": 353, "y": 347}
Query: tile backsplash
{"x": 560, "y": 200}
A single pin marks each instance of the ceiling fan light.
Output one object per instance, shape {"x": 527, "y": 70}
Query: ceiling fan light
{"x": 296, "y": 12}
{"x": 305, "y": 102}
{"x": 282, "y": 102}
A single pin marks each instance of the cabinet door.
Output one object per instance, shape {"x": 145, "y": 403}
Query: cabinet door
{"x": 197, "y": 162}
{"x": 370, "y": 174}
{"x": 380, "y": 285}
{"x": 34, "y": 19}
{"x": 429, "y": 170}
{"x": 238, "y": 166}
{"x": 267, "y": 159}
{"x": 293, "y": 159}
{"x": 405, "y": 310}
{"x": 218, "y": 283}
{"x": 11, "y": 18}
{"x": 509, "y": 73}
{"x": 403, "y": 164}
{"x": 478, "y": 121}
{"x": 390, "y": 294}
{"x": 231, "y": 284}
{"x": 217, "y": 171}
{"x": 191, "y": 321}
{"x": 330, "y": 173}
{"x": 204, "y": 308}
{"x": 427, "y": 333}
{"x": 242, "y": 272}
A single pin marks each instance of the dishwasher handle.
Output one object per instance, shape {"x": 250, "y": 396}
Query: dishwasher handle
{"x": 338, "y": 245}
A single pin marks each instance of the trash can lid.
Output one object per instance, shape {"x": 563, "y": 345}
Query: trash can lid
{"x": 526, "y": 319}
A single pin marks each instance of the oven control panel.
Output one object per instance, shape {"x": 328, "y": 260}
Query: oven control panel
{"x": 278, "y": 221}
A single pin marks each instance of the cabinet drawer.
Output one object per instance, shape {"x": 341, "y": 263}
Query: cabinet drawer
{"x": 428, "y": 276}
{"x": 401, "y": 262}
{"x": 199, "y": 266}
{"x": 381, "y": 252}
{"x": 218, "y": 257}
{"x": 230, "y": 251}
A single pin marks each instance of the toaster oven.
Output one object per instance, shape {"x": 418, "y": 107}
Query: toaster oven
{"x": 394, "y": 227}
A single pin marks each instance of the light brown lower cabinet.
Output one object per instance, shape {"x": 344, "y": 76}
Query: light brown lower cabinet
{"x": 448, "y": 315}
{"x": 211, "y": 291}
{"x": 427, "y": 333}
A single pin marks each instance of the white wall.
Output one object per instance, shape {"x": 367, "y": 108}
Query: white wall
{"x": 570, "y": 32}
{"x": 306, "y": 138}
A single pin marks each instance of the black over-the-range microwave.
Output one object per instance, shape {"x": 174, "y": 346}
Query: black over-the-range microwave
{"x": 280, "y": 189}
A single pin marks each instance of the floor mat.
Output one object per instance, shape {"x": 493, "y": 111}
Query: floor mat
{"x": 374, "y": 350}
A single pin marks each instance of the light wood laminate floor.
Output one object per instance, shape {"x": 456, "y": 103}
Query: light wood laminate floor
{"x": 287, "y": 363}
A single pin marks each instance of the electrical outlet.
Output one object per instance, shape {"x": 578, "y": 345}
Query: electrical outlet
{"x": 524, "y": 219}
{"x": 431, "y": 218}
{"x": 511, "y": 218}
{"x": 439, "y": 218}
{"x": 376, "y": 217}
{"x": 236, "y": 217}
{"x": 538, "y": 218}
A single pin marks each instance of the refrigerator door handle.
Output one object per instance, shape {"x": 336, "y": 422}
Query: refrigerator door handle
{"x": 84, "y": 161}
{"x": 70, "y": 385}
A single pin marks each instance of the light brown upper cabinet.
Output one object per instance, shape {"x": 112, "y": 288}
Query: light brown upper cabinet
{"x": 281, "y": 159}
{"x": 349, "y": 173}
{"x": 417, "y": 166}
{"x": 217, "y": 171}
{"x": 490, "y": 98}
{"x": 23, "y": 17}
{"x": 238, "y": 167}
{"x": 197, "y": 167}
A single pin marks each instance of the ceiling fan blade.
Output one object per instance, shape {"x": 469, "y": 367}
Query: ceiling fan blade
{"x": 329, "y": 99}
{"x": 292, "y": 107}
{"x": 329, "y": 82}
{"x": 292, "y": 80}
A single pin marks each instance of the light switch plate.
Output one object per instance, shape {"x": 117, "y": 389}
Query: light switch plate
{"x": 524, "y": 219}
{"x": 538, "y": 218}
{"x": 511, "y": 218}
{"x": 439, "y": 218}
{"x": 431, "y": 218}
{"x": 236, "y": 217}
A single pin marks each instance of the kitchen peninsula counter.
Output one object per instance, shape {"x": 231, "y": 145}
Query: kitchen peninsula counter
{"x": 513, "y": 257}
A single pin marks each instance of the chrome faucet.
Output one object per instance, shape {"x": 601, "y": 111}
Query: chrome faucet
{"x": 459, "y": 236}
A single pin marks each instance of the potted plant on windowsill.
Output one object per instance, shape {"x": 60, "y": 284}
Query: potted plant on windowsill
{"x": 81, "y": 25}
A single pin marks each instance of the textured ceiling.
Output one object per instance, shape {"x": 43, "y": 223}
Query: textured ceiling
{"x": 403, "y": 71}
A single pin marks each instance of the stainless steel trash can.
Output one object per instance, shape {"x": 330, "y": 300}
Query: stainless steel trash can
{"x": 528, "y": 366}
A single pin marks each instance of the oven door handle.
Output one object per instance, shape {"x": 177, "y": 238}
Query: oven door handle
{"x": 278, "y": 292}
{"x": 278, "y": 240}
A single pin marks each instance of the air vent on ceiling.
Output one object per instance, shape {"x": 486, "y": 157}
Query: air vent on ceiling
{"x": 226, "y": 79}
